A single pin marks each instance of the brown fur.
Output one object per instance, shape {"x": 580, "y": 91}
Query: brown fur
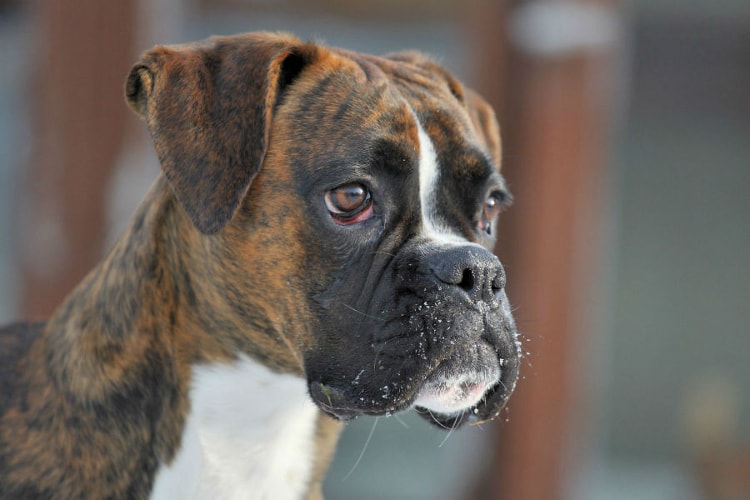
{"x": 95, "y": 399}
{"x": 100, "y": 395}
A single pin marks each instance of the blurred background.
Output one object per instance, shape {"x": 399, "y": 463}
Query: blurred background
{"x": 626, "y": 144}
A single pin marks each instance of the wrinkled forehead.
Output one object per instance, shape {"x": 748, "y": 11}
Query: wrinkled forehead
{"x": 434, "y": 97}
{"x": 366, "y": 103}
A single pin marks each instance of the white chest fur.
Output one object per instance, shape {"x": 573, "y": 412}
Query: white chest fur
{"x": 249, "y": 436}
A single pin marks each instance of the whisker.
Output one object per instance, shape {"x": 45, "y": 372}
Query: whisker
{"x": 401, "y": 421}
{"x": 363, "y": 314}
{"x": 450, "y": 433}
{"x": 364, "y": 448}
{"x": 437, "y": 421}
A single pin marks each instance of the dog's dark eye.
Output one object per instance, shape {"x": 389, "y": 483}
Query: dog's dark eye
{"x": 492, "y": 207}
{"x": 349, "y": 203}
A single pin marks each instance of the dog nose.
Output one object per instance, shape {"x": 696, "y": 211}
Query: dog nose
{"x": 473, "y": 270}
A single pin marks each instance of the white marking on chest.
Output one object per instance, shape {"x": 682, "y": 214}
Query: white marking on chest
{"x": 249, "y": 435}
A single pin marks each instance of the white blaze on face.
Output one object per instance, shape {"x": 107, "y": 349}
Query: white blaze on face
{"x": 429, "y": 178}
{"x": 453, "y": 392}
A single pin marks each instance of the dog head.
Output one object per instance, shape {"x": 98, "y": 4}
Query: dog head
{"x": 350, "y": 203}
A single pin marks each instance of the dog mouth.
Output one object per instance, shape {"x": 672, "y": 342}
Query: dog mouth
{"x": 460, "y": 381}
{"x": 472, "y": 386}
{"x": 453, "y": 395}
{"x": 469, "y": 399}
{"x": 477, "y": 396}
{"x": 449, "y": 354}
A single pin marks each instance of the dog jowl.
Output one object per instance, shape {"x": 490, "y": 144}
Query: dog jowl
{"x": 318, "y": 247}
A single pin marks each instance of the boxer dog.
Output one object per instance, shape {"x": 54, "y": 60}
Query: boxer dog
{"x": 317, "y": 248}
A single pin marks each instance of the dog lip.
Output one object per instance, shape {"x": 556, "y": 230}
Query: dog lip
{"x": 466, "y": 381}
{"x": 493, "y": 400}
{"x": 451, "y": 395}
{"x": 335, "y": 402}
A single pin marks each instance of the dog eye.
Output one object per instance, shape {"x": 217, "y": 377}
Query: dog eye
{"x": 349, "y": 203}
{"x": 492, "y": 207}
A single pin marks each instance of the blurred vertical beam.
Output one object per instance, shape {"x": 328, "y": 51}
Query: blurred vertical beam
{"x": 555, "y": 121}
{"x": 83, "y": 51}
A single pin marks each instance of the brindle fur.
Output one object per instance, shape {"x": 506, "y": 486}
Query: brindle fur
{"x": 218, "y": 259}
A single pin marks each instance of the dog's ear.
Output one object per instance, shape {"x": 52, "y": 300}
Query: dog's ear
{"x": 208, "y": 107}
{"x": 485, "y": 123}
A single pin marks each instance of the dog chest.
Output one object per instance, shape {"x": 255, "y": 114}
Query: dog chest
{"x": 250, "y": 434}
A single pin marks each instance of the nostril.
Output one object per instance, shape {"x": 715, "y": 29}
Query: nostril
{"x": 498, "y": 283}
{"x": 467, "y": 280}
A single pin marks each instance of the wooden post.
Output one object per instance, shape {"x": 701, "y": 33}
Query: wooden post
{"x": 555, "y": 131}
{"x": 84, "y": 49}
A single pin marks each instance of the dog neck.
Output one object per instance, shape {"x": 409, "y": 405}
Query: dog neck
{"x": 166, "y": 361}
{"x": 163, "y": 271}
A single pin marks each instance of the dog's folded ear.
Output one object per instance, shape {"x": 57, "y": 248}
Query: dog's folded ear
{"x": 209, "y": 107}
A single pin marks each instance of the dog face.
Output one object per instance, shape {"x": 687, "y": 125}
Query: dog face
{"x": 359, "y": 196}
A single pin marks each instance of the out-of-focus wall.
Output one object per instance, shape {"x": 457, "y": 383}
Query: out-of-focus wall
{"x": 674, "y": 385}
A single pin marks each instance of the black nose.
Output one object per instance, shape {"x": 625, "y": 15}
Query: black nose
{"x": 471, "y": 269}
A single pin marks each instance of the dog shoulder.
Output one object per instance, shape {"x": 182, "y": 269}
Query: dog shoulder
{"x": 15, "y": 341}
